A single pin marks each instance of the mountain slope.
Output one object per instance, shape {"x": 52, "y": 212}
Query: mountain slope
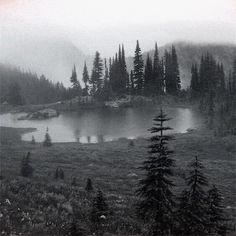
{"x": 189, "y": 53}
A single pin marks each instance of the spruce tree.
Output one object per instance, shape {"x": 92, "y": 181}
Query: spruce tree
{"x": 75, "y": 83}
{"x": 138, "y": 70}
{"x": 194, "y": 86}
{"x": 175, "y": 70}
{"x": 96, "y": 78}
{"x": 47, "y": 140}
{"x": 26, "y": 168}
{"x": 86, "y": 79}
{"x": 148, "y": 76}
{"x": 155, "y": 192}
{"x": 157, "y": 85}
{"x": 89, "y": 186}
{"x": 216, "y": 212}
{"x": 192, "y": 212}
{"x": 99, "y": 214}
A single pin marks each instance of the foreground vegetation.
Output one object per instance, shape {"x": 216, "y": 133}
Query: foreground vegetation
{"x": 45, "y": 205}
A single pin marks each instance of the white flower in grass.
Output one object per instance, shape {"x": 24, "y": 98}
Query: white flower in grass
{"x": 8, "y": 202}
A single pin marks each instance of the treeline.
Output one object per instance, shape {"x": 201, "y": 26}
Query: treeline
{"x": 216, "y": 94}
{"x": 18, "y": 87}
{"x": 110, "y": 77}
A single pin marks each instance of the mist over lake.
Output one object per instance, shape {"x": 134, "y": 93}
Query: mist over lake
{"x": 99, "y": 125}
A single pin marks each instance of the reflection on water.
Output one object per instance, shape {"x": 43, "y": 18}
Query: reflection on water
{"x": 102, "y": 125}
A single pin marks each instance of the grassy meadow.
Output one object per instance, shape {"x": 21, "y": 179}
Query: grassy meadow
{"x": 113, "y": 168}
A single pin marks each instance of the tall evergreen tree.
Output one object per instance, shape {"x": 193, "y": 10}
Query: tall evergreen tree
{"x": 155, "y": 191}
{"x": 172, "y": 76}
{"x": 157, "y": 82}
{"x": 216, "y": 212}
{"x": 86, "y": 79}
{"x": 175, "y": 68}
{"x": 138, "y": 70}
{"x": 192, "y": 213}
{"x": 148, "y": 77}
{"x": 75, "y": 83}
{"x": 195, "y": 85}
{"x": 96, "y": 78}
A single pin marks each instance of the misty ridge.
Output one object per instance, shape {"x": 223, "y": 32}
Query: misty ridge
{"x": 54, "y": 57}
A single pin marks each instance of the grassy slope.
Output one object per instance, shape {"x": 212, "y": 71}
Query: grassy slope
{"x": 112, "y": 164}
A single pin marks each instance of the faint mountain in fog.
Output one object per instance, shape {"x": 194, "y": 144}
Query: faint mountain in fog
{"x": 53, "y": 57}
{"x": 189, "y": 53}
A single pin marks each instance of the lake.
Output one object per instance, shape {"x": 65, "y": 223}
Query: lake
{"x": 92, "y": 126}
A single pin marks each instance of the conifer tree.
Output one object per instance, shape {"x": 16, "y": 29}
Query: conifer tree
{"x": 89, "y": 186}
{"x": 75, "y": 83}
{"x": 192, "y": 213}
{"x": 138, "y": 70}
{"x": 86, "y": 79}
{"x": 194, "y": 86}
{"x": 47, "y": 140}
{"x": 157, "y": 83}
{"x": 216, "y": 212}
{"x": 99, "y": 214}
{"x": 26, "y": 168}
{"x": 175, "y": 66}
{"x": 148, "y": 76}
{"x": 96, "y": 78}
{"x": 155, "y": 192}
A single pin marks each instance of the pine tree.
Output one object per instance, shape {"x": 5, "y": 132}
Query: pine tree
{"x": 192, "y": 213}
{"x": 138, "y": 70}
{"x": 26, "y": 168}
{"x": 99, "y": 214}
{"x": 148, "y": 76}
{"x": 175, "y": 68}
{"x": 47, "y": 140}
{"x": 156, "y": 197}
{"x": 216, "y": 212}
{"x": 86, "y": 79}
{"x": 75, "y": 83}
{"x": 96, "y": 78}
{"x": 157, "y": 82}
{"x": 194, "y": 86}
{"x": 89, "y": 186}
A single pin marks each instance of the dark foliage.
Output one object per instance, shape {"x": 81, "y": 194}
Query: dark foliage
{"x": 26, "y": 168}
{"x": 99, "y": 214}
{"x": 155, "y": 192}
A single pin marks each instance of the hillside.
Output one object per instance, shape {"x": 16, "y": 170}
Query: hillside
{"x": 189, "y": 53}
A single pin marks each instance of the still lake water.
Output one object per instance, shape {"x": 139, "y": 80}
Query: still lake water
{"x": 91, "y": 126}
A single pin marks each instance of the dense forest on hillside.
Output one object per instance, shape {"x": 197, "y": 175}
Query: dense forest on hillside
{"x": 19, "y": 87}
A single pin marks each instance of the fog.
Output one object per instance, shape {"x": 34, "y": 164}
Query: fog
{"x": 35, "y": 33}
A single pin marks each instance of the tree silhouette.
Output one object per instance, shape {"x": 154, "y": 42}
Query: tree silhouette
{"x": 26, "y": 168}
{"x": 156, "y": 198}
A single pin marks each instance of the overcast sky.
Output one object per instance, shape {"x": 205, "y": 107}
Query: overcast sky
{"x": 102, "y": 24}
